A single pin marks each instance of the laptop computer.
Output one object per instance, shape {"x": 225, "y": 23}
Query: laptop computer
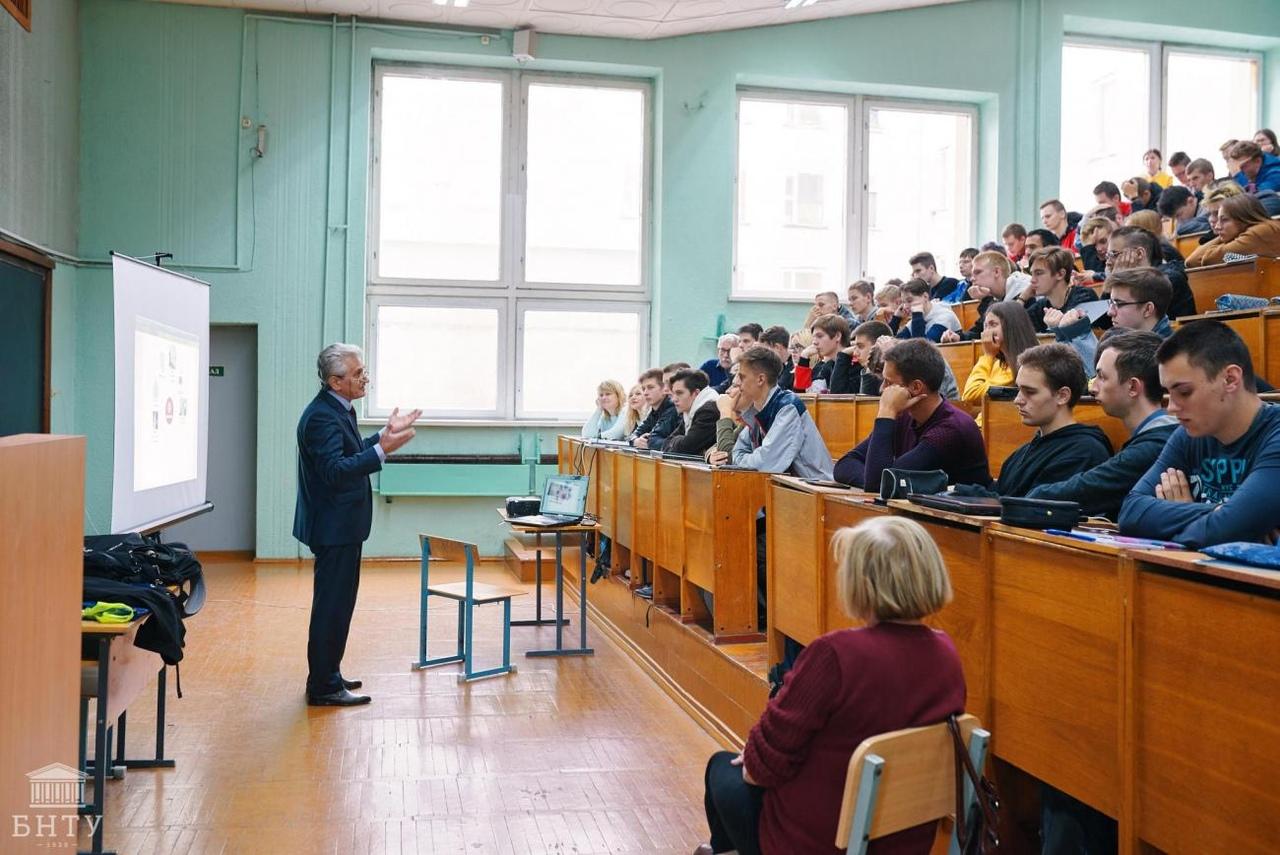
{"x": 564, "y": 502}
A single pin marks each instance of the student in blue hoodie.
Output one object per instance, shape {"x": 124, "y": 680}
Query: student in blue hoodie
{"x": 1127, "y": 385}
{"x": 1255, "y": 170}
{"x": 1218, "y": 478}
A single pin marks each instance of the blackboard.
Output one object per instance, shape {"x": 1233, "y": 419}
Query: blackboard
{"x": 24, "y": 329}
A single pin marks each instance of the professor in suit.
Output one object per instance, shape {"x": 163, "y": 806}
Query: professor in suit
{"x": 335, "y": 510}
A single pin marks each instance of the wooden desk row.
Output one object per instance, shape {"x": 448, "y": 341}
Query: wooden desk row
{"x": 1260, "y": 329}
{"x": 694, "y": 525}
{"x": 1137, "y": 682}
{"x": 1256, "y": 277}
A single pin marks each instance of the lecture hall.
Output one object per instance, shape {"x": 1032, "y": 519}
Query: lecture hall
{"x": 655, "y": 426}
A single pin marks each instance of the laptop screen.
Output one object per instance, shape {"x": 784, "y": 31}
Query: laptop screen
{"x": 565, "y": 495}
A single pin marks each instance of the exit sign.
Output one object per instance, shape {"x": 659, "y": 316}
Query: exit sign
{"x": 216, "y": 371}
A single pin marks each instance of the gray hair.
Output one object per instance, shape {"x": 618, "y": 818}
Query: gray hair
{"x": 332, "y": 361}
{"x": 728, "y": 340}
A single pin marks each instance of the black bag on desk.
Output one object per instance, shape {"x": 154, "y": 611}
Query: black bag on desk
{"x": 900, "y": 483}
{"x": 163, "y": 632}
{"x": 132, "y": 558}
{"x": 1039, "y": 513}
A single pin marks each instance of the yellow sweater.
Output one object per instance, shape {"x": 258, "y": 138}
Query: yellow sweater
{"x": 987, "y": 371}
{"x": 1162, "y": 178}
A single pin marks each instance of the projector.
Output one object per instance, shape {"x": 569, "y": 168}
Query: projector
{"x": 523, "y": 506}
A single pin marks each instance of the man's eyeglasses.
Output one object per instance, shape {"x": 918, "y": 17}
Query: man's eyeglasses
{"x": 1120, "y": 304}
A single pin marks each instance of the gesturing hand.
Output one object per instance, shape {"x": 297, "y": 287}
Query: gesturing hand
{"x": 397, "y": 423}
{"x": 1052, "y": 317}
{"x": 1174, "y": 486}
{"x": 391, "y": 440}
{"x": 894, "y": 400}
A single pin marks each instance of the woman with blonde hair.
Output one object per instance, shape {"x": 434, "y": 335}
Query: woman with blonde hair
{"x": 1241, "y": 226}
{"x": 783, "y": 793}
{"x": 608, "y": 421}
{"x": 637, "y": 410}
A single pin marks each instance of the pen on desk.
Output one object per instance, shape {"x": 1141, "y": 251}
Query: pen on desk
{"x": 1074, "y": 535}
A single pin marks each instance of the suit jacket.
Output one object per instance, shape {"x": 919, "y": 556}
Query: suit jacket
{"x": 335, "y": 502}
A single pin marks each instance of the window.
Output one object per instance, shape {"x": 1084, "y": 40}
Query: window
{"x": 607, "y": 341}
{"x": 920, "y": 173}
{"x": 1209, "y": 98}
{"x": 804, "y": 229}
{"x": 1120, "y": 99}
{"x": 509, "y": 241}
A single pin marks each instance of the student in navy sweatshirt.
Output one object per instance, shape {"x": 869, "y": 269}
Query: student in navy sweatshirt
{"x": 916, "y": 428}
{"x": 1218, "y": 478}
{"x": 1128, "y": 387}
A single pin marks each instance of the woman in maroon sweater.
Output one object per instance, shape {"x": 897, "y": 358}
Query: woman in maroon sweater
{"x": 782, "y": 794}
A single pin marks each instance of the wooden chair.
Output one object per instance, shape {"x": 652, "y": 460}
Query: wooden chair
{"x": 903, "y": 779}
{"x": 468, "y": 594}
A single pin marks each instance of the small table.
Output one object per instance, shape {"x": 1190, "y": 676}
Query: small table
{"x": 104, "y": 635}
{"x": 582, "y": 530}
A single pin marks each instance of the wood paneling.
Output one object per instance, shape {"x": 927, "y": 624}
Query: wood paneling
{"x": 1257, "y": 277}
{"x": 42, "y": 505}
{"x": 1056, "y": 649}
{"x": 646, "y": 507}
{"x": 1205, "y": 700}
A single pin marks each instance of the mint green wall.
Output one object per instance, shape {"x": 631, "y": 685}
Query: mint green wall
{"x": 164, "y": 165}
{"x": 39, "y": 113}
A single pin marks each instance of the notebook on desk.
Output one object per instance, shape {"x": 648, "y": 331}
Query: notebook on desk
{"x": 564, "y": 502}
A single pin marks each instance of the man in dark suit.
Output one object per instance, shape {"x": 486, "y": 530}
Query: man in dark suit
{"x": 335, "y": 510}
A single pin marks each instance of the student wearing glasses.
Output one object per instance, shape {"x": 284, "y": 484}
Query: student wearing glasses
{"x": 1139, "y": 299}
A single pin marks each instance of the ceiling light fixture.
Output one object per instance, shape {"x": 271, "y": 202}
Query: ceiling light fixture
{"x": 459, "y": 3}
{"x": 797, "y": 4}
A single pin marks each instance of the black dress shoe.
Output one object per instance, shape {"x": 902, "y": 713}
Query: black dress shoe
{"x": 351, "y": 684}
{"x": 340, "y": 698}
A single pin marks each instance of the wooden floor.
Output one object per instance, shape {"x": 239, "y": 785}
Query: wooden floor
{"x": 571, "y": 755}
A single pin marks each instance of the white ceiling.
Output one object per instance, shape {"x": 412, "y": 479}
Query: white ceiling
{"x": 630, "y": 19}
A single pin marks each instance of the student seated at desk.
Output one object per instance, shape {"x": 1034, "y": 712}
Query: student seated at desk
{"x": 920, "y": 316}
{"x": 717, "y": 370}
{"x": 777, "y": 339}
{"x": 916, "y": 428}
{"x": 1218, "y": 478}
{"x": 696, "y": 402}
{"x": 1052, "y": 303}
{"x": 875, "y": 367}
{"x": 1050, "y": 382}
{"x": 1128, "y": 388}
{"x": 1006, "y": 334}
{"x": 993, "y": 281}
{"x": 866, "y": 357}
{"x": 783, "y": 793}
{"x": 822, "y": 366}
{"x": 780, "y": 436}
{"x": 608, "y": 421}
{"x": 1241, "y": 226}
{"x": 662, "y": 417}
{"x": 1182, "y": 208}
{"x": 729, "y": 424}
{"x": 1139, "y": 299}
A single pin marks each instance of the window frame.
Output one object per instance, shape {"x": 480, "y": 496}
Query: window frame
{"x": 1157, "y": 73}
{"x": 641, "y": 309}
{"x": 857, "y": 202}
{"x": 510, "y": 293}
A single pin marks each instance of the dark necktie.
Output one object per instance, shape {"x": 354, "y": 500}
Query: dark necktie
{"x": 355, "y": 425}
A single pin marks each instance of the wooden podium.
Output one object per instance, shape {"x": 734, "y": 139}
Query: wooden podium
{"x": 42, "y": 509}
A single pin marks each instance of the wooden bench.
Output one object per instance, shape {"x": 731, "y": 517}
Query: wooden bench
{"x": 843, "y": 420}
{"x": 1186, "y": 244}
{"x": 1260, "y": 330}
{"x": 1256, "y": 277}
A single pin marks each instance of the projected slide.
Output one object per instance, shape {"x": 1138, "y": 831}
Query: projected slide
{"x": 166, "y": 400}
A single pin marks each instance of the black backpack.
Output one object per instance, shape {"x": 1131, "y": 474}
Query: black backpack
{"x": 134, "y": 559}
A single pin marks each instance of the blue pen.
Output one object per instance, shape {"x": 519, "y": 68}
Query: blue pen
{"x": 1071, "y": 534}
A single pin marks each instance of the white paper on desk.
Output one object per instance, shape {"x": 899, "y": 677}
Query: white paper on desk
{"x": 1094, "y": 309}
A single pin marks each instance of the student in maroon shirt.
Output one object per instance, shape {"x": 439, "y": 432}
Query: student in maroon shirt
{"x": 916, "y": 428}
{"x": 783, "y": 793}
